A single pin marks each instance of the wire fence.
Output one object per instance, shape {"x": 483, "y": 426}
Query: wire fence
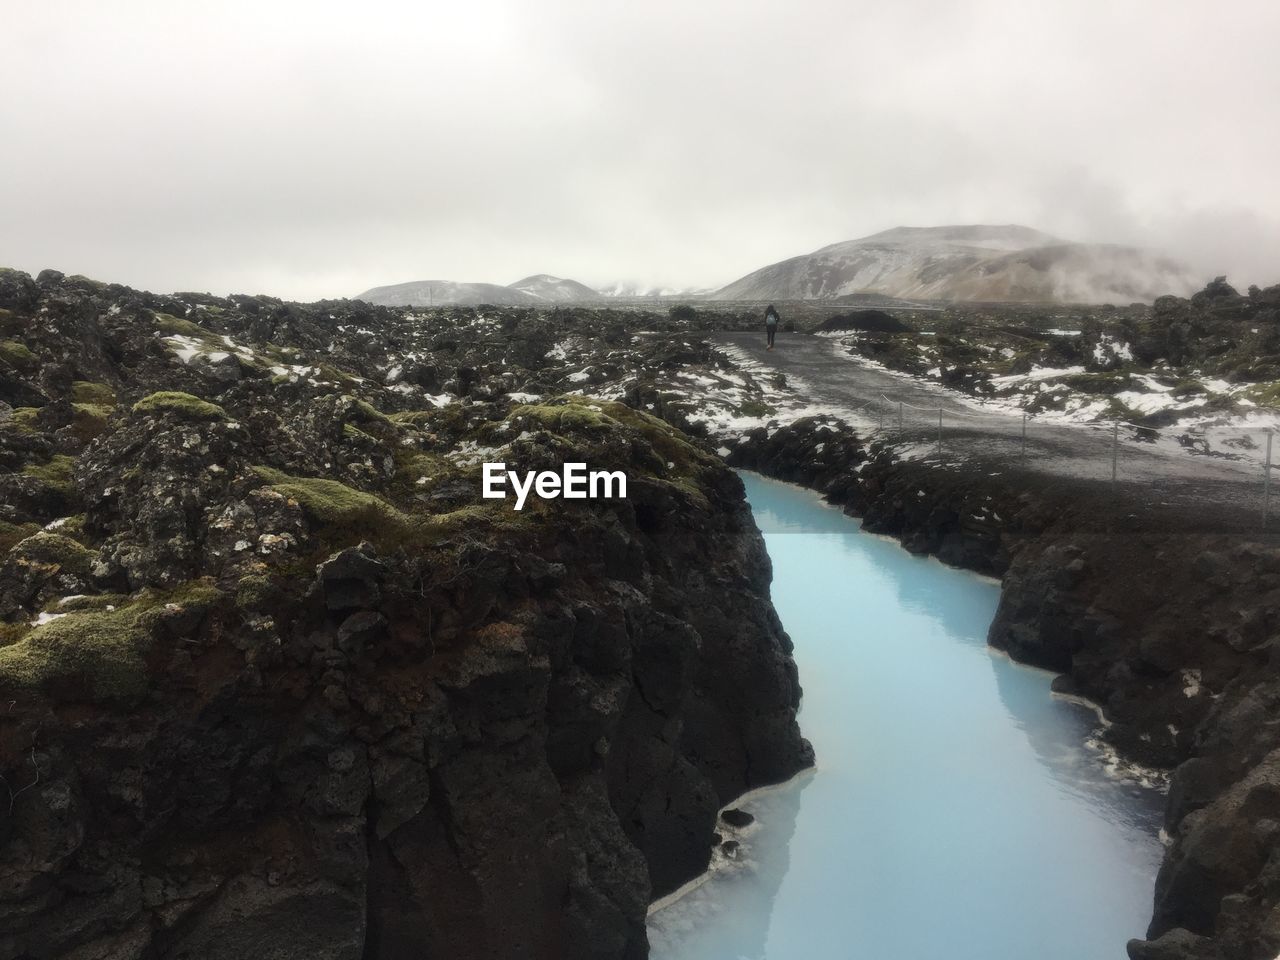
{"x": 892, "y": 412}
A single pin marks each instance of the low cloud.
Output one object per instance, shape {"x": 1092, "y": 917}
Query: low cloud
{"x": 307, "y": 150}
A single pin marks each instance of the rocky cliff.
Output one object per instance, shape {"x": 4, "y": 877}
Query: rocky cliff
{"x": 277, "y": 683}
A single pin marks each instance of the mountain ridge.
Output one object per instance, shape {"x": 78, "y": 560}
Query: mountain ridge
{"x": 955, "y": 262}
{"x": 1007, "y": 262}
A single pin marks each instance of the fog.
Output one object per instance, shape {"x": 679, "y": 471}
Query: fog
{"x": 315, "y": 149}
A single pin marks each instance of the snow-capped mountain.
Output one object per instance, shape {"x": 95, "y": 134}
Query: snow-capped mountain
{"x": 975, "y": 262}
{"x": 541, "y": 289}
{"x": 439, "y": 293}
{"x": 555, "y": 289}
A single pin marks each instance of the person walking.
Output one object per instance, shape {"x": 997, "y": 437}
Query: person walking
{"x": 771, "y": 324}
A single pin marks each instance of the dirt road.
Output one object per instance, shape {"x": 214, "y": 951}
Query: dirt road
{"x": 1157, "y": 482}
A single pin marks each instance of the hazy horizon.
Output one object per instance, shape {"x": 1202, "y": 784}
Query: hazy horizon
{"x": 317, "y": 150}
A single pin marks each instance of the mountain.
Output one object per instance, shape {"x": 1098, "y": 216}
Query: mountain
{"x": 555, "y": 289}
{"x": 437, "y": 293}
{"x": 973, "y": 262}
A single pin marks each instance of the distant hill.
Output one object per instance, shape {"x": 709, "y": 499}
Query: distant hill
{"x": 974, "y": 262}
{"x": 555, "y": 289}
{"x": 541, "y": 289}
{"x": 438, "y": 293}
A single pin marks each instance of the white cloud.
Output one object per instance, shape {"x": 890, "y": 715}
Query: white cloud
{"x": 314, "y": 149}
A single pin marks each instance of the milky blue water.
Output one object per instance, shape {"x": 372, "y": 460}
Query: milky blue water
{"x": 956, "y": 812}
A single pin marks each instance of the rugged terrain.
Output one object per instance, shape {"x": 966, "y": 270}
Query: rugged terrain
{"x": 278, "y": 683}
{"x": 1195, "y": 364}
{"x": 313, "y": 655}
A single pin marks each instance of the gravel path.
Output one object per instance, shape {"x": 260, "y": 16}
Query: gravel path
{"x": 1160, "y": 483}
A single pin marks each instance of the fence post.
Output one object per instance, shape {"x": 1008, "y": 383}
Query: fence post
{"x": 1266, "y": 483}
{"x": 939, "y": 431}
{"x": 1024, "y": 433}
{"x": 1115, "y": 450}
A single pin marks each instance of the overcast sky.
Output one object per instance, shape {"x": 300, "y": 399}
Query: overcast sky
{"x": 311, "y": 149}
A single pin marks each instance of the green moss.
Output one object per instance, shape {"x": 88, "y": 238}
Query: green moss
{"x": 368, "y": 412}
{"x": 253, "y": 592}
{"x": 1264, "y": 394}
{"x": 54, "y": 550}
{"x": 17, "y": 354}
{"x": 57, "y": 473}
{"x": 414, "y": 418}
{"x": 679, "y": 462}
{"x": 345, "y": 515}
{"x": 98, "y": 394}
{"x": 13, "y": 632}
{"x": 755, "y": 408}
{"x": 1119, "y": 410}
{"x": 562, "y": 417}
{"x": 99, "y": 601}
{"x": 1096, "y": 383}
{"x": 100, "y": 651}
{"x": 177, "y": 326}
{"x": 11, "y": 533}
{"x": 183, "y": 404}
{"x": 412, "y": 467}
{"x": 352, "y": 432}
{"x": 73, "y": 527}
{"x": 331, "y": 502}
{"x": 89, "y": 420}
{"x": 24, "y": 419}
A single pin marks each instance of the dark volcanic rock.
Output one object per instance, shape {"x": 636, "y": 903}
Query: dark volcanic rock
{"x": 300, "y": 692}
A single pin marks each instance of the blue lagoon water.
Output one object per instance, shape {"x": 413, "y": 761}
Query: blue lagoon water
{"x": 956, "y": 812}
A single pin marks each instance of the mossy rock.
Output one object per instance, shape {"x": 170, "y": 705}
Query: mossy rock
{"x": 13, "y": 632}
{"x": 88, "y": 603}
{"x": 331, "y": 502}
{"x": 98, "y": 394}
{"x": 352, "y": 432}
{"x": 54, "y": 550}
{"x": 1097, "y": 384}
{"x": 177, "y": 326}
{"x": 755, "y": 408}
{"x": 414, "y": 418}
{"x": 72, "y": 527}
{"x": 254, "y": 591}
{"x": 345, "y": 515}
{"x": 680, "y": 462}
{"x": 100, "y": 652}
{"x": 56, "y": 474}
{"x": 1264, "y": 394}
{"x": 18, "y": 355}
{"x": 1119, "y": 410}
{"x": 183, "y": 404}
{"x": 416, "y": 472}
{"x": 89, "y": 420}
{"x": 367, "y": 412}
{"x": 12, "y": 533}
{"x": 24, "y": 419}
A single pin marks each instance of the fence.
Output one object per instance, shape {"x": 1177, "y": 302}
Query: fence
{"x": 887, "y": 407}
